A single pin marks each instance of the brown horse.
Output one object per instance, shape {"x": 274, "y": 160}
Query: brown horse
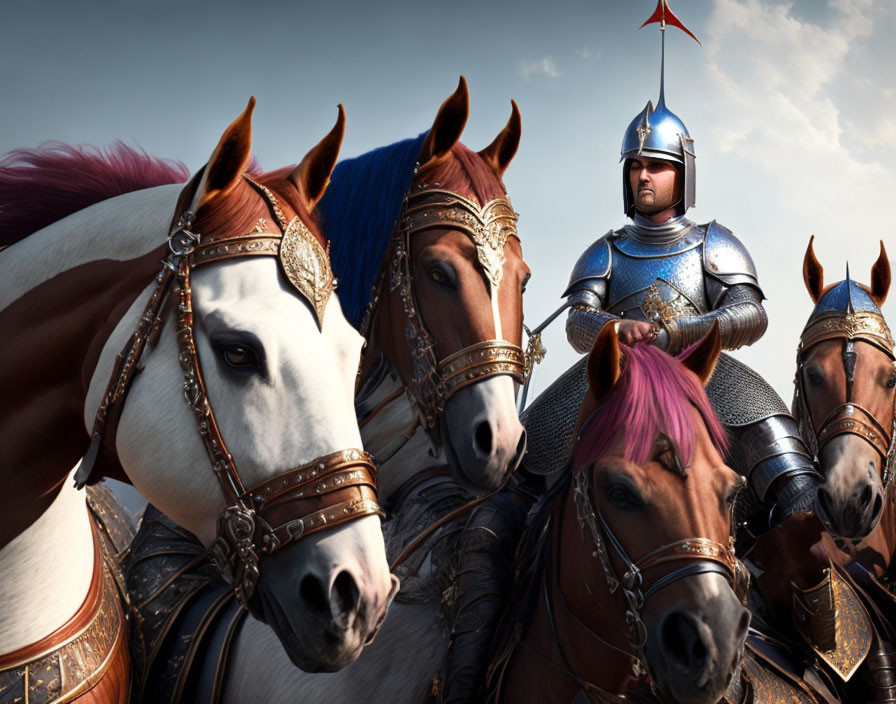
{"x": 844, "y": 401}
{"x": 648, "y": 482}
{"x": 425, "y": 246}
{"x": 845, "y": 395}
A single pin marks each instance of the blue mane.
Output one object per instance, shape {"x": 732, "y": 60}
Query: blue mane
{"x": 358, "y": 214}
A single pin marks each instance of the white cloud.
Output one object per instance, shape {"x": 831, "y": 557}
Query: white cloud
{"x": 585, "y": 52}
{"x": 799, "y": 131}
{"x": 544, "y": 66}
{"x": 775, "y": 72}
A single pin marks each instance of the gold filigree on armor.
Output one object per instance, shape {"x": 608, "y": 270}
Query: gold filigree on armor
{"x": 770, "y": 686}
{"x": 307, "y": 267}
{"x": 833, "y": 622}
{"x": 862, "y": 325}
{"x": 663, "y": 312}
{"x": 64, "y": 672}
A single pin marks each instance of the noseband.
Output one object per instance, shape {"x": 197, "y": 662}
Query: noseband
{"x": 434, "y": 382}
{"x": 259, "y": 521}
{"x": 849, "y": 417}
{"x": 701, "y": 555}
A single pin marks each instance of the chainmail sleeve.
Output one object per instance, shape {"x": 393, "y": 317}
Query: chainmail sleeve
{"x": 742, "y": 321}
{"x": 586, "y": 318}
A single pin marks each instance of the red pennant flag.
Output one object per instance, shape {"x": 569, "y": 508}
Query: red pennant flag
{"x": 663, "y": 15}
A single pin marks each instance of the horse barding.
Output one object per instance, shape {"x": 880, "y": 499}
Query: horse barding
{"x": 833, "y": 592}
{"x": 238, "y": 278}
{"x": 425, "y": 246}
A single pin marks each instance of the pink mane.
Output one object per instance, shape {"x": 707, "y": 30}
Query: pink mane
{"x": 654, "y": 394}
{"x": 41, "y": 186}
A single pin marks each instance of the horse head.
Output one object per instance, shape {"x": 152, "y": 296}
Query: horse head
{"x": 447, "y": 310}
{"x": 653, "y": 501}
{"x": 845, "y": 394}
{"x": 267, "y": 362}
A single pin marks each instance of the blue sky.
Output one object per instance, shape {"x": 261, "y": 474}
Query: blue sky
{"x": 791, "y": 106}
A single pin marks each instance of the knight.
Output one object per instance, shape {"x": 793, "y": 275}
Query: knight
{"x": 665, "y": 279}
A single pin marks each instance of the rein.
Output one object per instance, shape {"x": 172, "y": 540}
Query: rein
{"x": 326, "y": 492}
{"x": 849, "y": 417}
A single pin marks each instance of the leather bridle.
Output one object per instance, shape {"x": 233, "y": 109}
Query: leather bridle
{"x": 433, "y": 382}
{"x": 849, "y": 417}
{"x": 326, "y": 492}
{"x": 700, "y": 555}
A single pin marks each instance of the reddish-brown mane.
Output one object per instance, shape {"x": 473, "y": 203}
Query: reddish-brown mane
{"x": 465, "y": 172}
{"x": 41, "y": 186}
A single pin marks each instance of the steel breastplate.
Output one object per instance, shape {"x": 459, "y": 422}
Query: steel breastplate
{"x": 669, "y": 275}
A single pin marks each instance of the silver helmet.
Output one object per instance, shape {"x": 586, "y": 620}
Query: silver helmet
{"x": 659, "y": 133}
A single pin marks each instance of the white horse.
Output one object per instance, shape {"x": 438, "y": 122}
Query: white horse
{"x": 278, "y": 369}
{"x": 475, "y": 440}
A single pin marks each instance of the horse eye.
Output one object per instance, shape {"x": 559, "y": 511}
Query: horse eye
{"x": 239, "y": 356}
{"x": 621, "y": 496}
{"x": 814, "y": 376}
{"x": 439, "y": 276}
{"x": 891, "y": 382}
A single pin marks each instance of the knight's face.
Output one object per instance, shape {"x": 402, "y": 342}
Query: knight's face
{"x": 655, "y": 184}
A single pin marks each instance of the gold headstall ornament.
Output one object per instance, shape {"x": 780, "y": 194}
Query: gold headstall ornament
{"x": 433, "y": 382}
{"x": 326, "y": 492}
{"x": 865, "y": 325}
{"x": 849, "y": 417}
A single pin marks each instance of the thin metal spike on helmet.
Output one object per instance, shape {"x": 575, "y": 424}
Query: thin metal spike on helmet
{"x": 849, "y": 306}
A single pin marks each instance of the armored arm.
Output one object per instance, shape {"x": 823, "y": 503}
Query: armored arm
{"x": 585, "y": 320}
{"x": 742, "y": 321}
{"x": 732, "y": 293}
{"x": 587, "y": 295}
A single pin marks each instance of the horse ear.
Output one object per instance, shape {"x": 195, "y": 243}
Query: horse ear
{"x": 229, "y": 160}
{"x": 500, "y": 153}
{"x": 702, "y": 356}
{"x": 312, "y": 176}
{"x": 603, "y": 361}
{"x": 448, "y": 125}
{"x": 813, "y": 272}
{"x": 880, "y": 277}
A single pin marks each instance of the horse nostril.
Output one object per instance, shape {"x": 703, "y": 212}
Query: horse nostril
{"x": 312, "y": 591}
{"x": 483, "y": 438}
{"x": 682, "y": 642}
{"x": 866, "y": 495}
{"x": 345, "y": 596}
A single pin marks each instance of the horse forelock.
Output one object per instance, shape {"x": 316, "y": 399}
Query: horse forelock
{"x": 41, "y": 186}
{"x": 654, "y": 394}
